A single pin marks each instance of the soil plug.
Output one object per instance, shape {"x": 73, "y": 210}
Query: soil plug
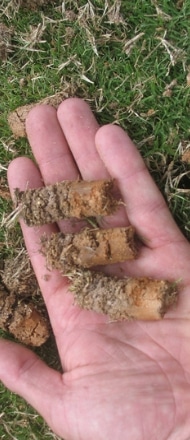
{"x": 17, "y": 118}
{"x": 66, "y": 199}
{"x": 90, "y": 247}
{"x": 18, "y": 277}
{"x": 128, "y": 298}
{"x": 22, "y": 320}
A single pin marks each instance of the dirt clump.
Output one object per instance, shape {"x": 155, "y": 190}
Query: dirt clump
{"x": 4, "y": 189}
{"x": 17, "y": 118}
{"x": 22, "y": 309}
{"x": 186, "y": 156}
{"x": 73, "y": 254}
{"x": 90, "y": 247}
{"x": 22, "y": 319}
{"x": 127, "y": 298}
{"x": 78, "y": 199}
{"x": 18, "y": 276}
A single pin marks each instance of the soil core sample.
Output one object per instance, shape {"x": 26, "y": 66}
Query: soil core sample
{"x": 22, "y": 320}
{"x": 78, "y": 199}
{"x": 127, "y": 298}
{"x": 90, "y": 247}
{"x": 17, "y": 118}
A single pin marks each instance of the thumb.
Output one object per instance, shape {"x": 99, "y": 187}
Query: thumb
{"x": 24, "y": 373}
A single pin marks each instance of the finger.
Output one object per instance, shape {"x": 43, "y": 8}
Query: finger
{"x": 52, "y": 153}
{"x": 42, "y": 387}
{"x": 49, "y": 145}
{"x": 146, "y": 208}
{"x": 80, "y": 126}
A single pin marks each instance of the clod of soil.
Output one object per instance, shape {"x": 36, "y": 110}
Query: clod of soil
{"x": 18, "y": 276}
{"x": 4, "y": 189}
{"x": 66, "y": 199}
{"x": 186, "y": 156}
{"x": 22, "y": 309}
{"x": 22, "y": 320}
{"x": 17, "y": 118}
{"x": 128, "y": 298}
{"x": 5, "y": 41}
{"x": 90, "y": 247}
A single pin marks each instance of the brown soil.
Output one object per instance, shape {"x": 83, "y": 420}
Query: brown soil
{"x": 91, "y": 247}
{"x": 66, "y": 199}
{"x": 186, "y": 156}
{"x": 4, "y": 189}
{"x": 22, "y": 320}
{"x": 128, "y": 298}
{"x": 22, "y": 309}
{"x": 18, "y": 276}
{"x": 17, "y": 118}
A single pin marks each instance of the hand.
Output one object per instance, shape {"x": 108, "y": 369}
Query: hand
{"x": 126, "y": 380}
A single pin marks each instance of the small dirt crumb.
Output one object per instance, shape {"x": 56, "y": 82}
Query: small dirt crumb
{"x": 180, "y": 4}
{"x": 167, "y": 93}
{"x": 168, "y": 89}
{"x": 4, "y": 189}
{"x": 184, "y": 150}
{"x": 186, "y": 156}
{"x": 46, "y": 277}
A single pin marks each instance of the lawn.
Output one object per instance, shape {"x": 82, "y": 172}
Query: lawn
{"x": 130, "y": 61}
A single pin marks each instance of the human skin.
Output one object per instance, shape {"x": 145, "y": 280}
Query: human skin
{"x": 131, "y": 379}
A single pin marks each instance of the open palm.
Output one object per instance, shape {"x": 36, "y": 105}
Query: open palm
{"x": 126, "y": 380}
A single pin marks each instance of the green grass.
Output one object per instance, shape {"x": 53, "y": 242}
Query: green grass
{"x": 90, "y": 50}
{"x": 18, "y": 421}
